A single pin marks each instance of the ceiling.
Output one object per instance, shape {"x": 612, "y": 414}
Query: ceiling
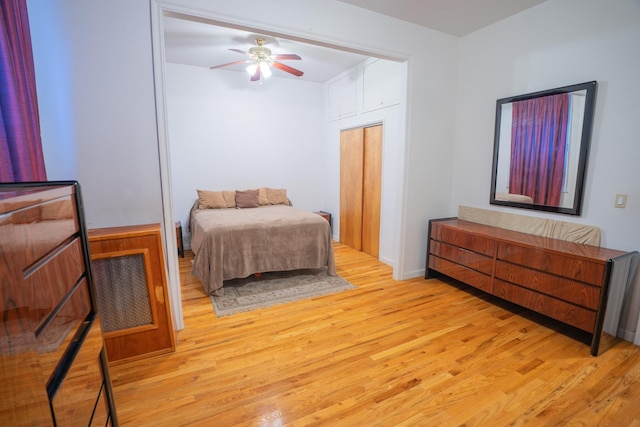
{"x": 197, "y": 41}
{"x": 455, "y": 17}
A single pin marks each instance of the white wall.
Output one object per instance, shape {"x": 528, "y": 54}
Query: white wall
{"x": 558, "y": 43}
{"x": 227, "y": 133}
{"x": 94, "y": 80}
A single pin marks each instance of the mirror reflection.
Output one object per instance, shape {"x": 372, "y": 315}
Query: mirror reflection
{"x": 541, "y": 145}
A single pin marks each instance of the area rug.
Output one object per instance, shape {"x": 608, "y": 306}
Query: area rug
{"x": 274, "y": 288}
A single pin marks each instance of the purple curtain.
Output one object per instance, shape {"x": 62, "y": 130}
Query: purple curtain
{"x": 21, "y": 157}
{"x": 538, "y": 144}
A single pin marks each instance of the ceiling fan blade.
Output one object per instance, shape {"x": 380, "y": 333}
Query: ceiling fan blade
{"x": 288, "y": 69}
{"x": 230, "y": 63}
{"x": 285, "y": 56}
{"x": 241, "y": 52}
{"x": 256, "y": 76}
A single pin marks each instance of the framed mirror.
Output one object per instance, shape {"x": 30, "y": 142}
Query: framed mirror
{"x": 540, "y": 148}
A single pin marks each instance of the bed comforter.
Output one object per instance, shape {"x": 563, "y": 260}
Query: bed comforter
{"x": 235, "y": 243}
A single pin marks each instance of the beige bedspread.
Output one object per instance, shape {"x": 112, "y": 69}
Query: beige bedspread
{"x": 234, "y": 243}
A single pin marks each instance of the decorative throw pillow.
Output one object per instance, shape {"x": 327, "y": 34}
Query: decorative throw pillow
{"x": 229, "y": 198}
{"x": 263, "y": 200}
{"x": 211, "y": 200}
{"x": 247, "y": 199}
{"x": 277, "y": 196}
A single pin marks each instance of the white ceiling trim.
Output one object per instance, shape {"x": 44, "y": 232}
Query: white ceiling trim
{"x": 187, "y": 32}
{"x": 320, "y": 40}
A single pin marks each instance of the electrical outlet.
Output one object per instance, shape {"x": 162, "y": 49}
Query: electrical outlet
{"x": 621, "y": 201}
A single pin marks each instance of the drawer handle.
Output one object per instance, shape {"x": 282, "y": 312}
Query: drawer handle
{"x": 67, "y": 359}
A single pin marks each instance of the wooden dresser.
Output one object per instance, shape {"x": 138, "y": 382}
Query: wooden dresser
{"x": 563, "y": 280}
{"x": 53, "y": 368}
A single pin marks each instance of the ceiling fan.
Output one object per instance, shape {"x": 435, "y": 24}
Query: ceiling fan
{"x": 261, "y": 60}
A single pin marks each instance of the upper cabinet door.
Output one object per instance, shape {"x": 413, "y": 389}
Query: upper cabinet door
{"x": 342, "y": 96}
{"x": 382, "y": 84}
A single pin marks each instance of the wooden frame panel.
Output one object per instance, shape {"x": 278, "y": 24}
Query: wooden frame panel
{"x": 157, "y": 335}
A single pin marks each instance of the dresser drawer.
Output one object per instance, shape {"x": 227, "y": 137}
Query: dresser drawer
{"x": 464, "y": 239}
{"x": 45, "y": 228}
{"x": 570, "y": 314}
{"x": 101, "y": 413}
{"x": 55, "y": 338}
{"x": 568, "y": 290}
{"x": 462, "y": 256}
{"x": 77, "y": 396}
{"x": 461, "y": 273}
{"x": 561, "y": 265}
{"x": 52, "y": 281}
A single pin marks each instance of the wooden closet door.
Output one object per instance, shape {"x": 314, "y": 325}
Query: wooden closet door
{"x": 360, "y": 188}
{"x": 351, "y": 187}
{"x": 372, "y": 188}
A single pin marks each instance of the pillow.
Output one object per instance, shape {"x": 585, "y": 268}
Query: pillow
{"x": 263, "y": 200}
{"x": 211, "y": 200}
{"x": 277, "y": 196}
{"x": 229, "y": 198}
{"x": 216, "y": 199}
{"x": 247, "y": 199}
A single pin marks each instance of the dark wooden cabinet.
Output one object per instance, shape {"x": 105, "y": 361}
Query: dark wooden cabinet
{"x": 327, "y": 216}
{"x": 179, "y": 240}
{"x": 563, "y": 280}
{"x": 52, "y": 361}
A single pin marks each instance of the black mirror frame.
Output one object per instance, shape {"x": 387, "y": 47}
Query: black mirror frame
{"x": 585, "y": 141}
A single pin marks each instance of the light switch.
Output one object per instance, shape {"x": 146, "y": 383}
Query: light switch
{"x": 621, "y": 201}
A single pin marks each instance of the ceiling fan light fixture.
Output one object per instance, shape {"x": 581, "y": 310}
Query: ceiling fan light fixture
{"x": 251, "y": 69}
{"x": 265, "y": 69}
{"x": 261, "y": 60}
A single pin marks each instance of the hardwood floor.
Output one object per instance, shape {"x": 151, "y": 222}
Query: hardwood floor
{"x": 409, "y": 353}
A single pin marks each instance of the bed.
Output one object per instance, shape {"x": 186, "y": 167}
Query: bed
{"x": 236, "y": 242}
{"x": 509, "y": 197}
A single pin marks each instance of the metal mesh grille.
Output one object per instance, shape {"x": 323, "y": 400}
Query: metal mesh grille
{"x": 122, "y": 292}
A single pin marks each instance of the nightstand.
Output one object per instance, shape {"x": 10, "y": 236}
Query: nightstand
{"x": 179, "y": 239}
{"x": 327, "y": 216}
